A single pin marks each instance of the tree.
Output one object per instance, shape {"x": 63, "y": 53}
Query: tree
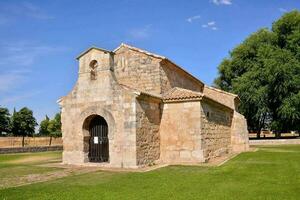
{"x": 264, "y": 71}
{"x": 23, "y": 123}
{"x": 54, "y": 127}
{"x": 43, "y": 130}
{"x": 4, "y": 120}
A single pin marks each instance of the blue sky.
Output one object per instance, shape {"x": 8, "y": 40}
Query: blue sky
{"x": 39, "y": 40}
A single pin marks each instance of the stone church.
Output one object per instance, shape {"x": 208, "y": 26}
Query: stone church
{"x": 131, "y": 108}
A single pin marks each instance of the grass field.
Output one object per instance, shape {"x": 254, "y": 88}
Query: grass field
{"x": 16, "y": 165}
{"x": 270, "y": 173}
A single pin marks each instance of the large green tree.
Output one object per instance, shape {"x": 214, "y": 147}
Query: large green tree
{"x": 43, "y": 130}
{"x": 264, "y": 71}
{"x": 4, "y": 120}
{"x": 23, "y": 123}
{"x": 54, "y": 127}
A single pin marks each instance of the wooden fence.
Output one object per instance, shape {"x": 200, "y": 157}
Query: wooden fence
{"x": 29, "y": 141}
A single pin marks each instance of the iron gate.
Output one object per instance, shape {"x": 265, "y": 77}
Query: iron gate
{"x": 98, "y": 148}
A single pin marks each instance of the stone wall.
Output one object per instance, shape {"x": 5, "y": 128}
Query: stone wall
{"x": 148, "y": 118}
{"x": 30, "y": 149}
{"x": 228, "y": 99}
{"x": 274, "y": 142}
{"x": 239, "y": 133}
{"x": 180, "y": 133}
{"x": 102, "y": 96}
{"x": 188, "y": 131}
{"x": 137, "y": 70}
{"x": 150, "y": 74}
{"x": 171, "y": 77}
{"x": 215, "y": 129}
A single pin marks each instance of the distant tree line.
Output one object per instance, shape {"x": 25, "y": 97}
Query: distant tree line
{"x": 264, "y": 70}
{"x": 22, "y": 123}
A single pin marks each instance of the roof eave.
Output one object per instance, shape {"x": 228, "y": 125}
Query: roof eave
{"x": 210, "y": 99}
{"x": 183, "y": 70}
{"x": 182, "y": 100}
{"x": 91, "y": 48}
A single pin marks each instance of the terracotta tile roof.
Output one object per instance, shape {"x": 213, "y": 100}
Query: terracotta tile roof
{"x": 180, "y": 94}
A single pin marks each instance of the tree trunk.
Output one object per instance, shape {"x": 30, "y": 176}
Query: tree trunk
{"x": 278, "y": 134}
{"x": 258, "y": 134}
{"x": 23, "y": 141}
{"x": 50, "y": 141}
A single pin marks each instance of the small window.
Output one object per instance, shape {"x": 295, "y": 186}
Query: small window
{"x": 93, "y": 72}
{"x": 207, "y": 114}
{"x": 93, "y": 64}
{"x": 93, "y": 75}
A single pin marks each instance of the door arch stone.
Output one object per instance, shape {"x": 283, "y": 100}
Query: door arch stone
{"x": 86, "y": 117}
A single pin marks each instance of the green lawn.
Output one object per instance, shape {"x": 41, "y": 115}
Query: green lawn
{"x": 15, "y": 165}
{"x": 270, "y": 173}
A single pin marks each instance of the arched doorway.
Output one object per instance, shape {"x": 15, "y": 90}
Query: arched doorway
{"x": 98, "y": 142}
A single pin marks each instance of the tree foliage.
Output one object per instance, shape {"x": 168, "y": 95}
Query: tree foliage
{"x": 4, "y": 120}
{"x": 43, "y": 130}
{"x": 23, "y": 123}
{"x": 51, "y": 127}
{"x": 54, "y": 126}
{"x": 264, "y": 71}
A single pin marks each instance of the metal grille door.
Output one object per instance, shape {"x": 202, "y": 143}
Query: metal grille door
{"x": 98, "y": 150}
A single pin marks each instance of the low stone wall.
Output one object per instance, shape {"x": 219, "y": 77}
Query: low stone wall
{"x": 30, "y": 149}
{"x": 274, "y": 142}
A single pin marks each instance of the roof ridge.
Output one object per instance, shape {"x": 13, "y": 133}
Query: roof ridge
{"x": 91, "y": 48}
{"x": 188, "y": 90}
{"x": 222, "y": 91}
{"x": 147, "y": 53}
{"x": 139, "y": 50}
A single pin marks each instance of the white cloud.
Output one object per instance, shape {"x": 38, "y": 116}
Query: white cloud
{"x": 282, "y": 10}
{"x": 222, "y": 2}
{"x": 16, "y": 61}
{"x": 16, "y": 98}
{"x": 211, "y": 25}
{"x": 191, "y": 19}
{"x": 10, "y": 80}
{"x": 34, "y": 11}
{"x": 24, "y": 53}
{"x": 17, "y": 11}
{"x": 140, "y": 33}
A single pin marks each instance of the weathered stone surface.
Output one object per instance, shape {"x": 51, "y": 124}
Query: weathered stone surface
{"x": 215, "y": 129}
{"x": 239, "y": 133}
{"x": 148, "y": 118}
{"x": 126, "y": 87}
{"x": 180, "y": 133}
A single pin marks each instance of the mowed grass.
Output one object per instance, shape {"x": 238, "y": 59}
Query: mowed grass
{"x": 270, "y": 173}
{"x": 21, "y": 164}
